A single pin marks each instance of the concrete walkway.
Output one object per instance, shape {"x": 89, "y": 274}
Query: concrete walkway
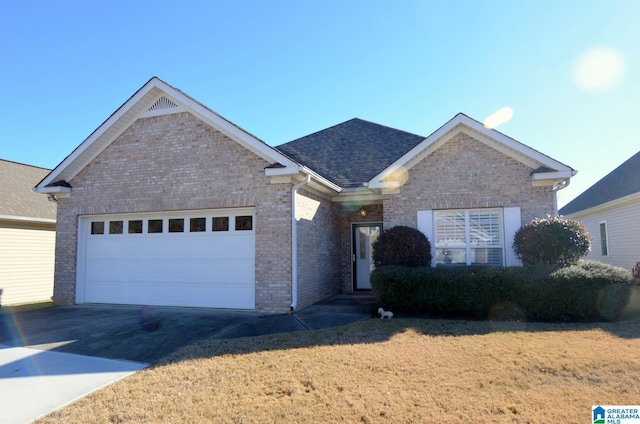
{"x": 50, "y": 357}
{"x": 35, "y": 382}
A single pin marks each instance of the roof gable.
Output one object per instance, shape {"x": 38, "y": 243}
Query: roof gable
{"x": 351, "y": 153}
{"x": 545, "y": 170}
{"x": 621, "y": 182}
{"x": 19, "y": 202}
{"x": 154, "y": 98}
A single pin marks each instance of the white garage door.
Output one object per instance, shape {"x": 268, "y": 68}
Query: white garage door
{"x": 201, "y": 259}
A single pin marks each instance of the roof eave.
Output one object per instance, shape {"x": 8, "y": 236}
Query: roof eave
{"x": 136, "y": 106}
{"x": 53, "y": 190}
{"x": 302, "y": 171}
{"x": 603, "y": 207}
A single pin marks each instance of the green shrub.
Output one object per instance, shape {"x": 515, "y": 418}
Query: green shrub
{"x": 402, "y": 246}
{"x": 587, "y": 291}
{"x": 553, "y": 240}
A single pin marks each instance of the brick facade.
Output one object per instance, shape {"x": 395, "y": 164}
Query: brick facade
{"x": 465, "y": 173}
{"x": 177, "y": 162}
{"x": 318, "y": 253}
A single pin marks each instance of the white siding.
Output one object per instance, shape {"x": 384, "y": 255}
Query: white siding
{"x": 623, "y": 228}
{"x": 26, "y": 264}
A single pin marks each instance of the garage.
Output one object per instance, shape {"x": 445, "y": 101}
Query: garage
{"x": 191, "y": 258}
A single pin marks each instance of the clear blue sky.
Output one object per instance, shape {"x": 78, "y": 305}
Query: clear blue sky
{"x": 569, "y": 70}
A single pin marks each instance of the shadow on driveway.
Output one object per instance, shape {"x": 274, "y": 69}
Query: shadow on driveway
{"x": 146, "y": 334}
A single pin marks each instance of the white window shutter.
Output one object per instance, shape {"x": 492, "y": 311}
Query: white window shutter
{"x": 425, "y": 225}
{"x": 512, "y": 223}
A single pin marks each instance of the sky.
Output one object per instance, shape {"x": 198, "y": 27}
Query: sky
{"x": 559, "y": 76}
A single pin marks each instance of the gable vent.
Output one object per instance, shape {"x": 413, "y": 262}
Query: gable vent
{"x": 161, "y": 104}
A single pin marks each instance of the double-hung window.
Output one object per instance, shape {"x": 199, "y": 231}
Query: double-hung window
{"x": 469, "y": 237}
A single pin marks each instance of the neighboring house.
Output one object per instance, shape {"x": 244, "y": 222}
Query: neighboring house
{"x": 168, "y": 203}
{"x": 27, "y": 236}
{"x": 610, "y": 211}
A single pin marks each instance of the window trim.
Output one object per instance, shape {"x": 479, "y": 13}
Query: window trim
{"x": 468, "y": 246}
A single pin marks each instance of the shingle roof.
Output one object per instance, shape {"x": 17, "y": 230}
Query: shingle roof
{"x": 621, "y": 182}
{"x": 351, "y": 153}
{"x": 18, "y": 197}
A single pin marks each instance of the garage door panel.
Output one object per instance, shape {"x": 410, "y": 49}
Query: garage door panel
{"x": 122, "y": 248}
{"x": 154, "y": 293}
{"x": 207, "y": 271}
{"x": 204, "y": 269}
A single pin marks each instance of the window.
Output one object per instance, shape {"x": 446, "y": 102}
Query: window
{"x": 135, "y": 226}
{"x": 97, "y": 227}
{"x": 220, "y": 223}
{"x": 469, "y": 237}
{"x": 176, "y": 225}
{"x": 115, "y": 227}
{"x": 244, "y": 223}
{"x": 604, "y": 240}
{"x": 155, "y": 226}
{"x": 197, "y": 225}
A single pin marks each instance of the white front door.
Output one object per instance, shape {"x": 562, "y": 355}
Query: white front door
{"x": 364, "y": 235}
{"x": 201, "y": 259}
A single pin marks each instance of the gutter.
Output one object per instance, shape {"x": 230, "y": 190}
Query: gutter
{"x": 294, "y": 244}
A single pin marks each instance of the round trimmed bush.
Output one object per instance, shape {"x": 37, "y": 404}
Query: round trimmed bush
{"x": 552, "y": 240}
{"x": 402, "y": 246}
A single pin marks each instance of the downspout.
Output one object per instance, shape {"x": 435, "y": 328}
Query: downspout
{"x": 556, "y": 188}
{"x": 294, "y": 244}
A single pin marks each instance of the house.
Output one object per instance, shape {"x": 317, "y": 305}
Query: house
{"x": 27, "y": 236}
{"x": 610, "y": 211}
{"x": 168, "y": 203}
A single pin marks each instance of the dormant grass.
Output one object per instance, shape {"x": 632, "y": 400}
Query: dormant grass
{"x": 393, "y": 371}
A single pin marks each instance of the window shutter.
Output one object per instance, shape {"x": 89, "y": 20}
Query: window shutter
{"x": 425, "y": 225}
{"x": 512, "y": 223}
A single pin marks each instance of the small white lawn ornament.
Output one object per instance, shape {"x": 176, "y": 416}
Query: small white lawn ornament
{"x": 385, "y": 314}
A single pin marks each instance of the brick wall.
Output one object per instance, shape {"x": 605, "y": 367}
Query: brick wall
{"x": 318, "y": 249}
{"x": 464, "y": 173}
{"x": 177, "y": 162}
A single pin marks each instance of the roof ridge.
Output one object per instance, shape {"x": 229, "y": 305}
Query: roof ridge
{"x": 347, "y": 121}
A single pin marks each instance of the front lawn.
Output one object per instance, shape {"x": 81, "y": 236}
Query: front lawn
{"x": 397, "y": 371}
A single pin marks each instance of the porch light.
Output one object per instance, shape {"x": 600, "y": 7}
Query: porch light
{"x": 363, "y": 212}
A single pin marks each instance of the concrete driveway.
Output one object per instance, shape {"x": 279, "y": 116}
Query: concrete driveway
{"x": 51, "y": 356}
{"x": 146, "y": 334}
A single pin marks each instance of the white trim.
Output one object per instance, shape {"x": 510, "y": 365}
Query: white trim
{"x": 493, "y": 138}
{"x": 27, "y": 219}
{"x": 301, "y": 172}
{"x": 136, "y": 107}
{"x": 53, "y": 190}
{"x": 555, "y": 175}
{"x": 83, "y": 223}
{"x": 510, "y": 222}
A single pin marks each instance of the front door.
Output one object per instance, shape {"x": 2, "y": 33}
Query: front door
{"x": 363, "y": 237}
